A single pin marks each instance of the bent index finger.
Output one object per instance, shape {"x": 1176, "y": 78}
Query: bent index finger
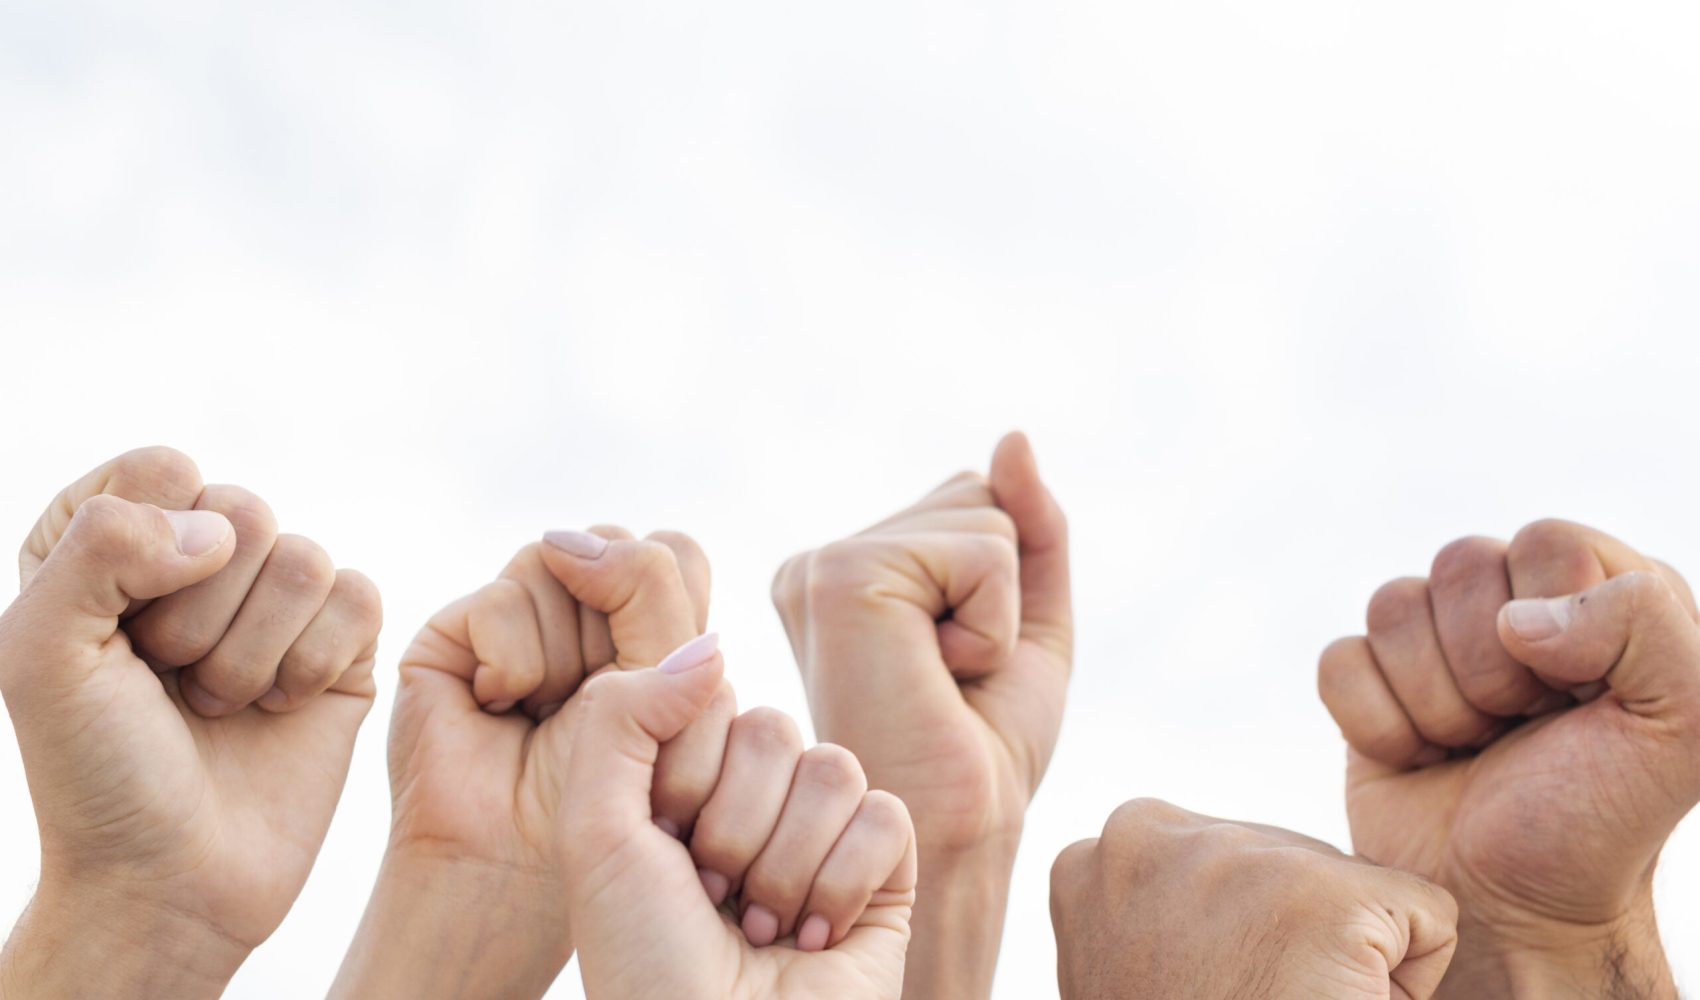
{"x": 637, "y": 584}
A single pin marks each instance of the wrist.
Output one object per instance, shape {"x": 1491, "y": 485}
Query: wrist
{"x": 958, "y": 921}
{"x": 90, "y": 940}
{"x": 1616, "y": 960}
{"x": 446, "y": 926}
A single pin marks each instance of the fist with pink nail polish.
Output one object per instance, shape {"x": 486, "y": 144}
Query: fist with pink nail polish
{"x": 1524, "y": 727}
{"x": 186, "y": 685}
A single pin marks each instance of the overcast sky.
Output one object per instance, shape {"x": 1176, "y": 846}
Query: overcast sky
{"x": 1288, "y": 296}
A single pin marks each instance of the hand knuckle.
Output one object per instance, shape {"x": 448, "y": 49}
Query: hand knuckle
{"x": 1395, "y": 602}
{"x": 1460, "y": 559}
{"x": 247, "y": 512}
{"x": 300, "y": 566}
{"x": 831, "y": 766}
{"x": 768, "y": 730}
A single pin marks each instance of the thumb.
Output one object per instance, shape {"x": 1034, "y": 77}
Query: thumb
{"x": 1632, "y": 632}
{"x": 624, "y": 717}
{"x": 1042, "y": 533}
{"x": 113, "y": 552}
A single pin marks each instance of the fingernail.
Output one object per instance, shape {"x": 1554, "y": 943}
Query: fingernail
{"x": 1588, "y": 692}
{"x": 691, "y": 655}
{"x": 498, "y": 707}
{"x": 577, "y": 543}
{"x": 814, "y": 933}
{"x": 715, "y": 884}
{"x": 202, "y": 702}
{"x": 1548, "y": 701}
{"x": 273, "y": 700}
{"x": 1430, "y": 755}
{"x": 1539, "y": 618}
{"x": 548, "y": 709}
{"x": 761, "y": 925}
{"x": 667, "y": 826}
{"x": 198, "y": 531}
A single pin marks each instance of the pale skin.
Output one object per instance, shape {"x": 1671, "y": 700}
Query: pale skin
{"x": 1525, "y": 730}
{"x": 478, "y": 747}
{"x": 186, "y": 684}
{"x": 1171, "y": 905}
{"x": 937, "y": 647}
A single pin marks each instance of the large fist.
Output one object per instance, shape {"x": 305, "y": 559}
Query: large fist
{"x": 1525, "y": 730}
{"x": 186, "y": 685}
{"x": 1170, "y": 904}
{"x": 936, "y": 645}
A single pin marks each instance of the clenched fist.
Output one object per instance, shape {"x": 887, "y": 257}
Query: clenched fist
{"x": 1170, "y": 905}
{"x": 1525, "y": 730}
{"x": 936, "y": 645}
{"x": 186, "y": 684}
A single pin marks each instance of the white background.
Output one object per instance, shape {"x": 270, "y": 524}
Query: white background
{"x": 1288, "y": 295}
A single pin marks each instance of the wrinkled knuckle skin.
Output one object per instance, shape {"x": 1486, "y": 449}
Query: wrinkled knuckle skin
{"x": 356, "y": 592}
{"x": 769, "y": 730}
{"x": 300, "y": 566}
{"x": 156, "y": 464}
{"x": 831, "y": 767}
{"x": 251, "y": 516}
{"x": 1395, "y": 603}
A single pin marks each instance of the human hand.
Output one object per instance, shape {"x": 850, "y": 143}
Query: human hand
{"x": 1525, "y": 730}
{"x": 1167, "y": 903}
{"x": 185, "y": 684}
{"x": 936, "y": 646}
{"x": 795, "y": 840}
{"x": 468, "y": 901}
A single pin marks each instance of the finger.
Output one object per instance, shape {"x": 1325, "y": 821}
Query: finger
{"x": 688, "y": 766}
{"x": 637, "y": 584}
{"x": 965, "y": 489}
{"x": 623, "y": 719}
{"x": 180, "y": 629}
{"x": 163, "y": 477}
{"x": 762, "y": 750}
{"x": 489, "y": 640}
{"x": 558, "y": 628}
{"x": 980, "y": 574}
{"x": 988, "y": 520}
{"x": 693, "y": 569}
{"x": 1631, "y": 632}
{"x": 1428, "y": 921}
{"x": 1363, "y": 706}
{"x": 1468, "y": 584}
{"x": 1046, "y": 608}
{"x": 1553, "y": 558}
{"x": 825, "y": 793}
{"x": 1402, "y": 636}
{"x": 110, "y": 553}
{"x": 596, "y": 643}
{"x": 292, "y": 586}
{"x": 862, "y": 862}
{"x": 343, "y": 633}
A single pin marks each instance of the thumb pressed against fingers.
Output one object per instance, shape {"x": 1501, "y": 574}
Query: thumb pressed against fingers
{"x": 1632, "y": 631}
{"x": 624, "y": 717}
{"x": 114, "y": 551}
{"x": 1431, "y": 916}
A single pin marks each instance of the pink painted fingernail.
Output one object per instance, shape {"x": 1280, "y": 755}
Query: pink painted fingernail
{"x": 498, "y": 707}
{"x": 691, "y": 655}
{"x": 761, "y": 925}
{"x": 582, "y": 544}
{"x": 814, "y": 933}
{"x": 715, "y": 884}
{"x": 1538, "y": 619}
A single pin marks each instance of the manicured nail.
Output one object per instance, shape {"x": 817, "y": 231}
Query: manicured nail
{"x": 1430, "y": 755}
{"x": 273, "y": 700}
{"x": 1536, "y": 619}
{"x": 691, "y": 655}
{"x": 715, "y": 884}
{"x": 577, "y": 543}
{"x": 813, "y": 935}
{"x": 198, "y": 531}
{"x": 761, "y": 925}
{"x": 667, "y": 826}
{"x": 498, "y": 707}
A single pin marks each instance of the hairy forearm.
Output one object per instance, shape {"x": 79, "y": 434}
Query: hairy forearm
{"x": 88, "y": 941}
{"x": 958, "y": 924}
{"x": 1620, "y": 961}
{"x": 444, "y": 928}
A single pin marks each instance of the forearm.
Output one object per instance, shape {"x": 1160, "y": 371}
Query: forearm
{"x": 958, "y": 924}
{"x": 447, "y": 928}
{"x": 85, "y": 941}
{"x": 1620, "y": 961}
